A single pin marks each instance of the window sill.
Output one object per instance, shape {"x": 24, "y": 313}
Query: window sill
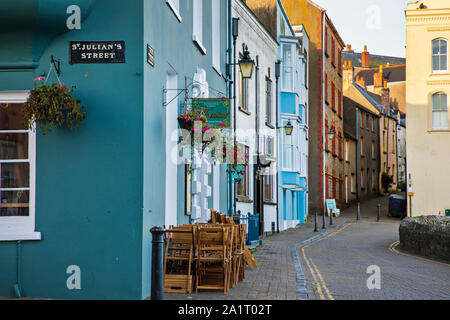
{"x": 174, "y": 10}
{"x": 30, "y": 236}
{"x": 440, "y": 73}
{"x": 199, "y": 44}
{"x": 245, "y": 111}
{"x": 270, "y": 203}
{"x": 217, "y": 69}
{"x": 243, "y": 199}
{"x": 438, "y": 130}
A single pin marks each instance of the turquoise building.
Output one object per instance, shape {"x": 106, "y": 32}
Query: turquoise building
{"x": 293, "y": 112}
{"x": 77, "y": 206}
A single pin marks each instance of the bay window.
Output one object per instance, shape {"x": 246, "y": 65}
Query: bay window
{"x": 287, "y": 77}
{"x": 289, "y": 150}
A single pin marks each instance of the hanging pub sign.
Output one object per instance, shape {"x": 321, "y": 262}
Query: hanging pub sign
{"x": 97, "y": 52}
{"x": 217, "y": 111}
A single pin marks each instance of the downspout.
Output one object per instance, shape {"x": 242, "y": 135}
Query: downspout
{"x": 396, "y": 148}
{"x": 256, "y": 166}
{"x": 230, "y": 92}
{"x": 18, "y": 285}
{"x": 277, "y": 125}
{"x": 323, "y": 114}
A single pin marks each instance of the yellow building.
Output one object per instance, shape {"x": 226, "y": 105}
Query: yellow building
{"x": 427, "y": 92}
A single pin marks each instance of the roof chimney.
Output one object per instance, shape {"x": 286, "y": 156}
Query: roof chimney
{"x": 348, "y": 72}
{"x": 378, "y": 78}
{"x": 365, "y": 58}
{"x": 348, "y": 48}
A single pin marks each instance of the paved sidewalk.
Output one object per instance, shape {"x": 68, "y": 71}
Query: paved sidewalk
{"x": 275, "y": 277}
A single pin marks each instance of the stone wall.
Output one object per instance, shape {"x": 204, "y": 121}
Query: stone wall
{"x": 426, "y": 235}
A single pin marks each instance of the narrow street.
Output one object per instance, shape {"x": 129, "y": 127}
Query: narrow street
{"x": 335, "y": 264}
{"x": 336, "y": 267}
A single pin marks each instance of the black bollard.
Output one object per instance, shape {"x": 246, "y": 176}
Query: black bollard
{"x": 379, "y": 213}
{"x": 157, "y": 290}
{"x": 331, "y": 217}
{"x": 358, "y": 214}
{"x": 324, "y": 225}
{"x": 316, "y": 227}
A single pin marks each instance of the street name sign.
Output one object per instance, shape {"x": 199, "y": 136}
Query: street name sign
{"x": 96, "y": 52}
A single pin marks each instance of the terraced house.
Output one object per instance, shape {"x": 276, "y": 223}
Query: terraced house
{"x": 77, "y": 206}
{"x": 427, "y": 100}
{"x": 326, "y": 131}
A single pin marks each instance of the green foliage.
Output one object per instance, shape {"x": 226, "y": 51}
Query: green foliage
{"x": 402, "y": 186}
{"x": 53, "y": 106}
{"x": 386, "y": 181}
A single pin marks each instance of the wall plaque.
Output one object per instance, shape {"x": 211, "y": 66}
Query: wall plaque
{"x": 97, "y": 52}
{"x": 150, "y": 55}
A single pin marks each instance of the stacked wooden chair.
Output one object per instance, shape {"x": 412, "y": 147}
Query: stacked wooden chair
{"x": 179, "y": 257}
{"x": 211, "y": 256}
{"x": 214, "y": 254}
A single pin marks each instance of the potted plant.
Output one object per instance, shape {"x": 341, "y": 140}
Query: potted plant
{"x": 52, "y": 106}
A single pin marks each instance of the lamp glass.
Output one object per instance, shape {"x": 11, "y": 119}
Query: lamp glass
{"x": 331, "y": 134}
{"x": 289, "y": 128}
{"x": 246, "y": 67}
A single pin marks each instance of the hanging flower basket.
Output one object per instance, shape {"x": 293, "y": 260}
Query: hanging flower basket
{"x": 237, "y": 160}
{"x": 52, "y": 106}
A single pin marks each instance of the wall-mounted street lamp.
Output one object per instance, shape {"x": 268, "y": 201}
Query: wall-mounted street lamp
{"x": 246, "y": 64}
{"x": 331, "y": 134}
{"x": 289, "y": 128}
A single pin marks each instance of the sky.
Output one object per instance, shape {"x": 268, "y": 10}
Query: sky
{"x": 379, "y": 24}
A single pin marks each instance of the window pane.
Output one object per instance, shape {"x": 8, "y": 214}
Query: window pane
{"x": 15, "y": 175}
{"x": 443, "y": 63}
{"x": 13, "y": 146}
{"x": 443, "y": 48}
{"x": 14, "y": 203}
{"x": 11, "y": 116}
{"x": 435, "y": 62}
{"x": 435, "y": 46}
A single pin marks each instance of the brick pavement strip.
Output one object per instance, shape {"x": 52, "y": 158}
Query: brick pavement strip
{"x": 277, "y": 276}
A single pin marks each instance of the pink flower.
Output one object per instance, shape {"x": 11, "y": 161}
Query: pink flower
{"x": 64, "y": 87}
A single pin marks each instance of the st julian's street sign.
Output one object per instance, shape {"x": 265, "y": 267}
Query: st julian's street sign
{"x": 97, "y": 52}
{"x": 217, "y": 111}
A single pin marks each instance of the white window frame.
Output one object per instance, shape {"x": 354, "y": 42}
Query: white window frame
{"x": 292, "y": 46}
{"x": 433, "y": 127}
{"x": 197, "y": 37}
{"x": 439, "y": 55}
{"x": 216, "y": 36}
{"x": 174, "y": 5}
{"x": 21, "y": 228}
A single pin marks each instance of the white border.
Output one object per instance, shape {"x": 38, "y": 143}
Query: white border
{"x": 22, "y": 228}
{"x": 174, "y": 10}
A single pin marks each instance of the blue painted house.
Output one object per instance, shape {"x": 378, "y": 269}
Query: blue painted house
{"x": 293, "y": 111}
{"x": 77, "y": 206}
